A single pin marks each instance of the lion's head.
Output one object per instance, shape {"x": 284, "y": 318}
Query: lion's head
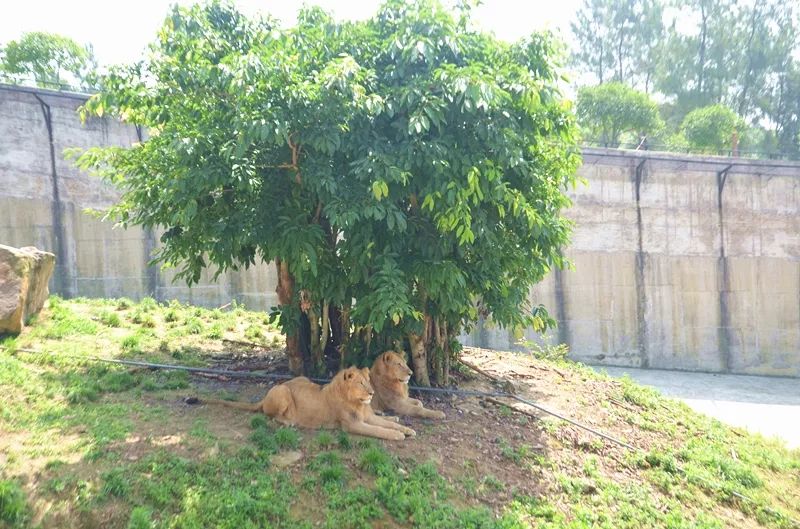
{"x": 355, "y": 385}
{"x": 393, "y": 366}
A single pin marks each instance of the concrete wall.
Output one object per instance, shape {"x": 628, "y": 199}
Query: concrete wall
{"x": 94, "y": 258}
{"x": 679, "y": 262}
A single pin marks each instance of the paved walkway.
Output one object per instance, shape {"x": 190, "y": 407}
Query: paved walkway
{"x": 768, "y": 405}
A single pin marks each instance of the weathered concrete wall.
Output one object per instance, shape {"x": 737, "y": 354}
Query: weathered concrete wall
{"x": 43, "y": 199}
{"x": 679, "y": 262}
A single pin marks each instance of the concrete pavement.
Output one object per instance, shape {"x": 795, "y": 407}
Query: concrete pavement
{"x": 767, "y": 405}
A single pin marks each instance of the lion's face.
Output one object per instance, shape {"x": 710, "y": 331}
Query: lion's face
{"x": 395, "y": 367}
{"x": 357, "y": 385}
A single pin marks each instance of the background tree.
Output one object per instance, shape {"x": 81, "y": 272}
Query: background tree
{"x": 608, "y": 111}
{"x": 50, "y": 60}
{"x": 619, "y": 40}
{"x": 405, "y": 173}
{"x": 712, "y": 128}
{"x": 592, "y": 30}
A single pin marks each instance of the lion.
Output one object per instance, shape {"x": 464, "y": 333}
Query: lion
{"x": 344, "y": 403}
{"x": 389, "y": 376}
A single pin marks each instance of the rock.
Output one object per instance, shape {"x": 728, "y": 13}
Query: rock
{"x": 285, "y": 459}
{"x": 24, "y": 274}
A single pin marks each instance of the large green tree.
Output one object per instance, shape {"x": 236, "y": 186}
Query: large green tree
{"x": 608, "y": 111}
{"x": 49, "y": 60}
{"x": 405, "y": 174}
{"x": 712, "y": 128}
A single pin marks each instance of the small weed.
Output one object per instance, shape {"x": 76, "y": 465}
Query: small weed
{"x": 264, "y": 440}
{"x": 110, "y": 319}
{"x": 376, "y": 461}
{"x": 124, "y": 303}
{"x": 330, "y": 468}
{"x": 83, "y": 393}
{"x": 141, "y": 518}
{"x": 116, "y": 483}
{"x": 324, "y": 439}
{"x": 214, "y": 332}
{"x": 259, "y": 421}
{"x": 171, "y": 315}
{"x": 194, "y": 326}
{"x": 253, "y": 332}
{"x": 147, "y": 304}
{"x": 287, "y": 438}
{"x": 143, "y": 318}
{"x": 344, "y": 441}
{"x": 131, "y": 342}
{"x": 492, "y": 483}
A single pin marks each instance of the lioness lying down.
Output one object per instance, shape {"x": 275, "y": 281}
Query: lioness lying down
{"x": 342, "y": 403}
{"x": 389, "y": 376}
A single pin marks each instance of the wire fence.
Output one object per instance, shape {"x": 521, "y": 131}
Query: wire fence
{"x": 49, "y": 85}
{"x": 663, "y": 147}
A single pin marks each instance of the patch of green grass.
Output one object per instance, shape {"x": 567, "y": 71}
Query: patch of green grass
{"x": 329, "y": 468}
{"x": 264, "y": 440}
{"x": 143, "y": 318}
{"x": 63, "y": 322}
{"x": 193, "y": 325}
{"x": 109, "y": 319}
{"x": 253, "y": 332}
{"x": 148, "y": 304}
{"x": 13, "y": 505}
{"x": 287, "y": 438}
{"x": 375, "y": 460}
{"x": 343, "y": 440}
{"x": 324, "y": 439}
{"x": 214, "y": 332}
{"x": 124, "y": 303}
{"x": 116, "y": 483}
{"x": 141, "y": 518}
{"x": 259, "y": 421}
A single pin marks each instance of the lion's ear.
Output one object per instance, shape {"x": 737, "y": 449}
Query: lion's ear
{"x": 365, "y": 371}
{"x": 387, "y": 357}
{"x": 348, "y": 375}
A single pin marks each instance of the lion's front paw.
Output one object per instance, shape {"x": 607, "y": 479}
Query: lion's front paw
{"x": 436, "y": 414}
{"x": 409, "y": 432}
{"x": 396, "y": 436}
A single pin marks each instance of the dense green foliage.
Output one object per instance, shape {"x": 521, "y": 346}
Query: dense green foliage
{"x": 609, "y": 110}
{"x": 49, "y": 60}
{"x": 711, "y": 128}
{"x": 697, "y": 53}
{"x": 408, "y": 163}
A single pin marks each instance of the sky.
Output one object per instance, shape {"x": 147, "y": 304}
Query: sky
{"x": 119, "y": 31}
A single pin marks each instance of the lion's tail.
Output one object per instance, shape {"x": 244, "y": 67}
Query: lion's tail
{"x": 255, "y": 406}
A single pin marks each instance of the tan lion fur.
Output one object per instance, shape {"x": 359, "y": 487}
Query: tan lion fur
{"x": 342, "y": 403}
{"x": 389, "y": 376}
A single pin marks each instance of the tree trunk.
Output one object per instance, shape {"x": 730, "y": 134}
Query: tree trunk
{"x": 285, "y": 291}
{"x": 344, "y": 346}
{"x": 419, "y": 360}
{"x": 325, "y": 332}
{"x": 438, "y": 351}
{"x": 316, "y": 347}
{"x": 446, "y": 359}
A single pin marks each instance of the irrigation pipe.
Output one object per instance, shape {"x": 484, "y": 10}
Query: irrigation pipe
{"x": 447, "y": 391}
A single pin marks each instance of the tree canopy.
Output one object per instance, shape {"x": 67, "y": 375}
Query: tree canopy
{"x": 49, "y": 60}
{"x": 405, "y": 173}
{"x": 609, "y": 110}
{"x": 711, "y": 128}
